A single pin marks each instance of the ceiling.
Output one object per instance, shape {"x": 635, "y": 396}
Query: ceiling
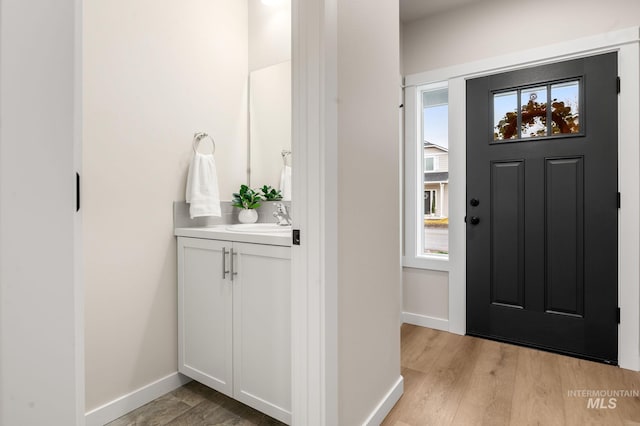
{"x": 411, "y": 10}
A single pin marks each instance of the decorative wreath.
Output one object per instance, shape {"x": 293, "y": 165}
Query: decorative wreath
{"x": 566, "y": 121}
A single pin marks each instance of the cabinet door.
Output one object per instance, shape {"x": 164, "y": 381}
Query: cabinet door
{"x": 262, "y": 328}
{"x": 205, "y": 332}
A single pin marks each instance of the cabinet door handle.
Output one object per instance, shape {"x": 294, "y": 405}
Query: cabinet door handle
{"x": 233, "y": 272}
{"x": 224, "y": 263}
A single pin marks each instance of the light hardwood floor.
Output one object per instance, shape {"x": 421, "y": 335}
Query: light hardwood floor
{"x": 448, "y": 380}
{"x": 463, "y": 380}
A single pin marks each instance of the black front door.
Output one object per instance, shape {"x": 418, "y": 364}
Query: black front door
{"x": 542, "y": 207}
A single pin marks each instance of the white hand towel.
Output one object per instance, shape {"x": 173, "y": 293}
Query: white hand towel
{"x": 285, "y": 183}
{"x": 202, "y": 187}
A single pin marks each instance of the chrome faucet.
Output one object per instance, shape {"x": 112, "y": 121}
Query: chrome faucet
{"x": 282, "y": 215}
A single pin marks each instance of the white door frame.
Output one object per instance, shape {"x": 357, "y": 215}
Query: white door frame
{"x": 627, "y": 43}
{"x": 314, "y": 212}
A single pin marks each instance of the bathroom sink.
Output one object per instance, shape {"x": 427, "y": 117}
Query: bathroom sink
{"x": 259, "y": 227}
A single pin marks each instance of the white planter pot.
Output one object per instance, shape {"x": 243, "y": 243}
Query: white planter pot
{"x": 248, "y": 216}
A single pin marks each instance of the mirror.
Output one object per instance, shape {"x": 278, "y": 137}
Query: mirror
{"x": 270, "y": 127}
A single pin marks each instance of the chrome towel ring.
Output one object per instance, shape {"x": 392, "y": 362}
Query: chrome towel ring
{"x": 285, "y": 153}
{"x": 197, "y": 137}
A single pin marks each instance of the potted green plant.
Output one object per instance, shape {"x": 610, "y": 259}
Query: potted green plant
{"x": 270, "y": 194}
{"x": 248, "y": 200}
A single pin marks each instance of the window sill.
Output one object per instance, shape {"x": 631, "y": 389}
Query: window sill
{"x": 434, "y": 262}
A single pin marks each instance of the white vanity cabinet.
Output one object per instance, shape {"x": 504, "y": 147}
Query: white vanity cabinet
{"x": 205, "y": 314}
{"x": 234, "y": 320}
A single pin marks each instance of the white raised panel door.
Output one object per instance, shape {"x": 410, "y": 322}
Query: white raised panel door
{"x": 262, "y": 328}
{"x": 205, "y": 331}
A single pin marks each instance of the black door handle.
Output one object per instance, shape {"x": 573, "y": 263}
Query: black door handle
{"x": 475, "y": 220}
{"x": 77, "y": 191}
{"x": 474, "y": 202}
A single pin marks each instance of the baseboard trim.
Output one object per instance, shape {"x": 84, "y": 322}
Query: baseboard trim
{"x": 129, "y": 402}
{"x": 425, "y": 321}
{"x": 387, "y": 403}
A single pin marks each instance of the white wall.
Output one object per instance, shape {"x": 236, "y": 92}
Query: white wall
{"x": 425, "y": 297}
{"x": 269, "y": 33}
{"x": 488, "y": 29}
{"x": 40, "y": 343}
{"x": 155, "y": 73}
{"x": 368, "y": 238}
{"x": 492, "y": 28}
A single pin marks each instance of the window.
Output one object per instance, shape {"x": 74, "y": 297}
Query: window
{"x": 524, "y": 113}
{"x": 426, "y": 177}
{"x": 434, "y": 176}
{"x": 430, "y": 164}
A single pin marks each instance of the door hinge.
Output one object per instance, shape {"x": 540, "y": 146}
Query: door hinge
{"x": 619, "y": 196}
{"x": 618, "y": 84}
{"x": 295, "y": 237}
{"x": 618, "y": 315}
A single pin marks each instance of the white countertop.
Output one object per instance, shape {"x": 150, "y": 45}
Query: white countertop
{"x": 220, "y": 232}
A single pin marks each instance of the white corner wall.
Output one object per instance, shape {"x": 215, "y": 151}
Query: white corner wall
{"x": 369, "y": 270}
{"x": 155, "y": 72}
{"x": 472, "y": 33}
